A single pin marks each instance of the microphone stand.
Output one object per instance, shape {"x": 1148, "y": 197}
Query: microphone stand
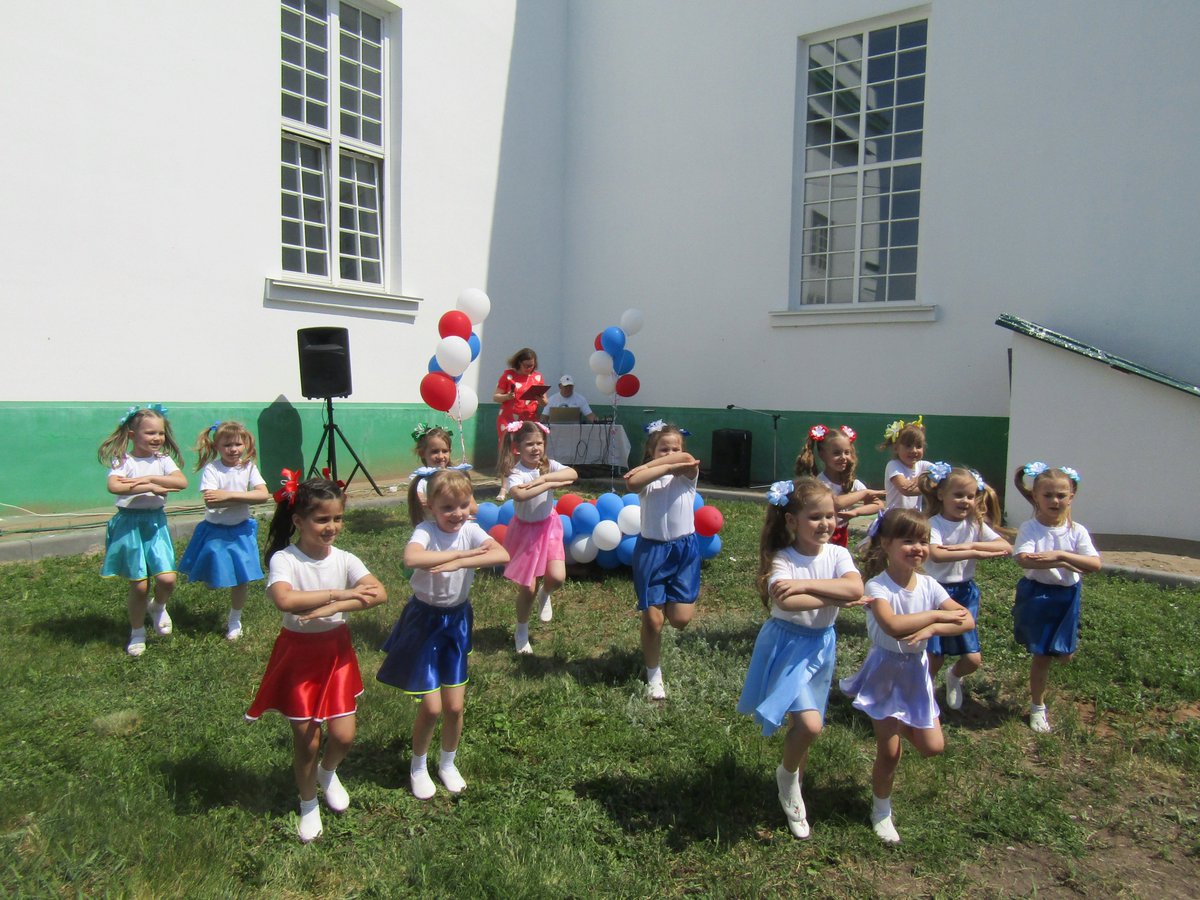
{"x": 775, "y": 417}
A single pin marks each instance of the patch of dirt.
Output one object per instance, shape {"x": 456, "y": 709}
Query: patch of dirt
{"x": 1155, "y": 562}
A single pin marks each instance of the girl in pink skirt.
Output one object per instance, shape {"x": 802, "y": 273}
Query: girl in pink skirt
{"x": 534, "y": 540}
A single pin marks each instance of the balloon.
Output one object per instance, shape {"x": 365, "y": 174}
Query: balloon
{"x": 600, "y": 363}
{"x": 506, "y": 512}
{"x": 625, "y": 550}
{"x": 631, "y": 500}
{"x": 455, "y": 324}
{"x": 475, "y": 304}
{"x": 568, "y": 529}
{"x": 598, "y": 343}
{"x": 632, "y": 321}
{"x": 584, "y": 518}
{"x": 438, "y": 391}
{"x": 606, "y": 384}
{"x": 710, "y": 546}
{"x": 630, "y": 520}
{"x": 609, "y": 506}
{"x": 453, "y": 354}
{"x": 567, "y": 503}
{"x": 628, "y": 385}
{"x": 612, "y": 339}
{"x": 583, "y": 549}
{"x": 697, "y": 502}
{"x": 608, "y": 559}
{"x": 623, "y": 362}
{"x": 606, "y": 535}
{"x": 465, "y": 403}
{"x": 498, "y": 533}
{"x": 708, "y": 521}
{"x": 487, "y": 515}
{"x": 475, "y": 345}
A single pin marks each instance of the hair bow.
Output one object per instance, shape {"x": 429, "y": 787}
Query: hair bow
{"x": 780, "y": 493}
{"x": 290, "y": 482}
{"x": 157, "y": 408}
{"x": 463, "y": 467}
{"x": 938, "y": 471}
{"x": 873, "y": 528}
{"x": 1070, "y": 473}
{"x": 514, "y": 426}
{"x": 424, "y": 471}
{"x": 893, "y": 431}
{"x": 818, "y": 432}
{"x": 212, "y": 429}
{"x": 656, "y": 425}
{"x": 545, "y": 428}
{"x": 979, "y": 482}
{"x": 129, "y": 414}
{"x": 850, "y": 433}
{"x": 1034, "y": 469}
{"x": 341, "y": 484}
{"x": 423, "y": 429}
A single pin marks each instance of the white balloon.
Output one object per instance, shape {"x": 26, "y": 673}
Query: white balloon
{"x": 601, "y": 363}
{"x": 632, "y": 321}
{"x": 629, "y": 520}
{"x": 475, "y": 303}
{"x": 606, "y": 535}
{"x": 453, "y": 355}
{"x": 605, "y": 384}
{"x": 465, "y": 403}
{"x": 584, "y": 549}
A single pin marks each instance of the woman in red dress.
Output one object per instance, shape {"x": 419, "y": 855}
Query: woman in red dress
{"x": 520, "y": 375}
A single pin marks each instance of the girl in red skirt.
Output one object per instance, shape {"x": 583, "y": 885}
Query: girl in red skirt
{"x": 312, "y": 677}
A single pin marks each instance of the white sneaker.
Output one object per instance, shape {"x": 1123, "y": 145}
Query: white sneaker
{"x": 160, "y": 619}
{"x": 656, "y": 690}
{"x": 885, "y": 829}
{"x": 135, "y": 648}
{"x": 451, "y": 778}
{"x": 525, "y": 649}
{"x": 792, "y": 802}
{"x": 954, "y": 690}
{"x": 1038, "y": 721}
{"x": 422, "y": 785}
{"x": 336, "y": 797}
{"x": 233, "y": 633}
{"x": 545, "y": 608}
{"x": 309, "y": 828}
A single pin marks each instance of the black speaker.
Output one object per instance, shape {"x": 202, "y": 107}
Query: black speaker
{"x": 324, "y": 362}
{"x": 730, "y": 457}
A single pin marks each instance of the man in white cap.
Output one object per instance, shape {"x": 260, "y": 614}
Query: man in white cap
{"x": 566, "y": 397}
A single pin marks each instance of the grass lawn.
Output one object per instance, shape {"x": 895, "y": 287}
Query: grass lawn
{"x": 139, "y": 777}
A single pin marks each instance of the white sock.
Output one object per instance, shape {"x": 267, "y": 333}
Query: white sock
{"x": 137, "y": 635}
{"x": 881, "y": 808}
{"x": 1037, "y": 707}
{"x": 653, "y": 674}
{"x": 522, "y": 635}
{"x": 418, "y": 763}
{"x": 446, "y": 758}
{"x": 235, "y": 618}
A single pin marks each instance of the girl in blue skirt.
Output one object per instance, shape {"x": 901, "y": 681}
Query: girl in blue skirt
{"x": 805, "y": 579}
{"x": 1054, "y": 553}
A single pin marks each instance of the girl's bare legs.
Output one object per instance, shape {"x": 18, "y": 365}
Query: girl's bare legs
{"x": 888, "y": 732}
{"x": 139, "y": 591}
{"x": 804, "y": 728}
{"x": 453, "y": 702}
{"x": 524, "y": 606}
{"x": 422, "y": 736}
{"x": 679, "y": 615}
{"x": 306, "y": 743}
{"x": 556, "y": 574}
{"x": 237, "y": 601}
{"x": 1039, "y": 677}
{"x": 164, "y": 586}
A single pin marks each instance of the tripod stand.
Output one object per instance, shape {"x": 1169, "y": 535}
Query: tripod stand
{"x": 332, "y": 433}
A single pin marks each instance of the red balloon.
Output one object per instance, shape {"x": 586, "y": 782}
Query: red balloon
{"x": 599, "y": 345}
{"x": 628, "y": 385}
{"x": 708, "y": 521}
{"x": 567, "y": 503}
{"x": 455, "y": 323}
{"x": 497, "y": 533}
{"x": 439, "y": 391}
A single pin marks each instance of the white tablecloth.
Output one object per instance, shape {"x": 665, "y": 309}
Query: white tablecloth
{"x": 581, "y": 445}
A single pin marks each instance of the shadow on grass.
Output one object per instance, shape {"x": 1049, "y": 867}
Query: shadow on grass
{"x": 197, "y": 784}
{"x": 85, "y": 628}
{"x": 611, "y": 668}
{"x": 374, "y": 520}
{"x": 384, "y": 763}
{"x": 723, "y": 800}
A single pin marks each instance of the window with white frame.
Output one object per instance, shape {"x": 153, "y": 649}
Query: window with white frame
{"x": 856, "y": 214}
{"x": 332, "y": 162}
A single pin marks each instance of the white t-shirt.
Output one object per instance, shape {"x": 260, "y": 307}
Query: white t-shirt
{"x": 946, "y": 531}
{"x": 140, "y": 467}
{"x": 1034, "y": 537}
{"x": 837, "y": 488}
{"x": 895, "y": 499}
{"x": 789, "y": 564}
{"x": 336, "y": 572}
{"x": 575, "y": 401}
{"x": 217, "y": 476}
{"x": 668, "y": 507}
{"x": 927, "y": 595}
{"x": 445, "y": 589}
{"x": 539, "y": 507}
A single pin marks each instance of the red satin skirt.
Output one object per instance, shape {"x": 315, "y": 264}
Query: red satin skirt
{"x": 841, "y": 536}
{"x": 310, "y": 676}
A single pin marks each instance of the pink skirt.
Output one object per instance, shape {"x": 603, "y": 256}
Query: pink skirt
{"x": 531, "y": 546}
{"x": 310, "y": 676}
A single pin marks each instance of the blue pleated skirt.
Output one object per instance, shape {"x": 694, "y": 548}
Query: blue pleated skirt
{"x": 791, "y": 670}
{"x": 428, "y": 648}
{"x": 223, "y": 556}
{"x": 1046, "y": 617}
{"x": 138, "y": 545}
{"x": 964, "y": 593}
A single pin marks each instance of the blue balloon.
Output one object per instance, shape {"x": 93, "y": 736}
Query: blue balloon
{"x": 710, "y": 546}
{"x": 608, "y": 559}
{"x": 609, "y": 506}
{"x": 698, "y": 502}
{"x": 473, "y": 343}
{"x": 625, "y": 549}
{"x": 612, "y": 340}
{"x": 584, "y": 519}
{"x": 623, "y": 364}
{"x": 568, "y": 528}
{"x": 487, "y": 515}
{"x": 631, "y": 500}
{"x": 506, "y": 513}
{"x": 433, "y": 364}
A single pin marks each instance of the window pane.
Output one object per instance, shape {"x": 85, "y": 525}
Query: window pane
{"x": 820, "y": 132}
{"x": 841, "y": 238}
{"x": 349, "y": 73}
{"x": 875, "y": 208}
{"x": 372, "y": 28}
{"x": 906, "y": 178}
{"x": 372, "y": 133}
{"x": 349, "y": 16}
{"x": 880, "y": 96}
{"x": 869, "y": 290}
{"x": 848, "y": 75}
{"x": 844, "y": 186}
{"x": 315, "y": 263}
{"x": 291, "y": 51}
{"x": 878, "y": 150}
{"x": 291, "y": 107}
{"x": 820, "y": 81}
{"x": 841, "y": 265}
{"x": 372, "y": 272}
{"x": 910, "y": 118}
{"x": 907, "y": 205}
{"x": 874, "y": 236}
{"x": 840, "y": 290}
{"x": 910, "y": 90}
{"x": 846, "y": 103}
{"x": 293, "y": 260}
{"x": 874, "y": 262}
{"x": 908, "y": 145}
{"x": 882, "y": 41}
{"x": 820, "y": 106}
{"x": 913, "y": 34}
{"x": 881, "y": 68}
{"x": 812, "y": 292}
{"x": 817, "y": 159}
{"x": 349, "y": 267}
{"x": 842, "y": 212}
{"x": 845, "y": 155}
{"x": 876, "y": 181}
{"x": 820, "y": 55}
{"x": 904, "y": 233}
{"x": 902, "y": 287}
{"x": 291, "y": 233}
{"x": 816, "y": 189}
{"x": 903, "y": 260}
{"x": 849, "y": 49}
{"x": 911, "y": 62}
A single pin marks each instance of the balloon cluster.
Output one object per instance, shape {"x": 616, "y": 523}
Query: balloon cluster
{"x": 612, "y": 364}
{"x": 442, "y": 389}
{"x": 604, "y": 530}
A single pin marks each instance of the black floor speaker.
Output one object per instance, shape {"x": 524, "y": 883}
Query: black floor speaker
{"x": 731, "y": 457}
{"x": 324, "y": 362}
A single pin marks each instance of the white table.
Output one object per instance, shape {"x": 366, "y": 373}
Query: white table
{"x": 583, "y": 445}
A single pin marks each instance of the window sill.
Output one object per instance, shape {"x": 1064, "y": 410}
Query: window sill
{"x": 279, "y": 293}
{"x": 854, "y": 314}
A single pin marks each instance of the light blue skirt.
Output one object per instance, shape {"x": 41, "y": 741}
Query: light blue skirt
{"x": 894, "y": 686}
{"x": 223, "y": 556}
{"x": 138, "y": 545}
{"x": 791, "y": 670}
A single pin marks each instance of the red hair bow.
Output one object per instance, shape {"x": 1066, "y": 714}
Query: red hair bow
{"x": 850, "y": 433}
{"x": 290, "y": 482}
{"x": 341, "y": 484}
